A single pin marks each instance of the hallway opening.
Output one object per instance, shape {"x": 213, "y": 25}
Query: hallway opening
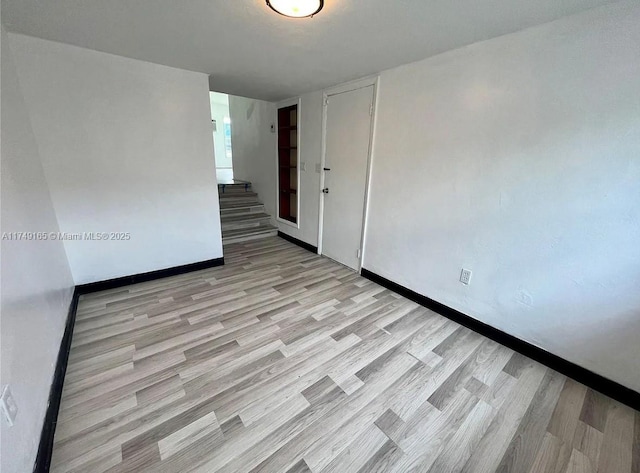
{"x": 221, "y": 125}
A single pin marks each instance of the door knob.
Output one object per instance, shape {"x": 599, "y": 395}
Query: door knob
{"x": 325, "y": 190}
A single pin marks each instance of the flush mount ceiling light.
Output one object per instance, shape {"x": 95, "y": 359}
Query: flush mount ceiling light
{"x": 296, "y": 8}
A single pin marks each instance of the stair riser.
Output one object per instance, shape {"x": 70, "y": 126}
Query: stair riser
{"x": 256, "y": 209}
{"x": 234, "y": 187}
{"x": 238, "y": 200}
{"x": 236, "y": 192}
{"x": 232, "y": 195}
{"x": 244, "y": 205}
{"x": 241, "y": 225}
{"x": 242, "y": 238}
{"x": 233, "y": 191}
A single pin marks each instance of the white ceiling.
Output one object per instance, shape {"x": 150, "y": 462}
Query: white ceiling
{"x": 252, "y": 51}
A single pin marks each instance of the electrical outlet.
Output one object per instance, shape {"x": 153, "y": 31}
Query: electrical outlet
{"x": 8, "y": 406}
{"x": 465, "y": 276}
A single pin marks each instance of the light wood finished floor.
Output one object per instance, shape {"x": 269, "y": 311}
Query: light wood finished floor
{"x": 282, "y": 361}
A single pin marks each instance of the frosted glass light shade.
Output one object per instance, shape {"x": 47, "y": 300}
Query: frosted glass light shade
{"x": 296, "y": 8}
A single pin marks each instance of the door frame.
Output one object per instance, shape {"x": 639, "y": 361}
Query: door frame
{"x": 287, "y": 103}
{"x": 340, "y": 89}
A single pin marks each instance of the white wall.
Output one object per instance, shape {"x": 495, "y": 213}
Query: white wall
{"x": 36, "y": 285}
{"x": 519, "y": 158}
{"x": 126, "y": 147}
{"x": 254, "y": 147}
{"x": 220, "y": 110}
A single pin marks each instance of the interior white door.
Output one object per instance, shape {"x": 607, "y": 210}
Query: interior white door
{"x": 348, "y": 131}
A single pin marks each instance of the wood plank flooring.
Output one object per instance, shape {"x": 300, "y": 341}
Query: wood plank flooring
{"x": 283, "y": 361}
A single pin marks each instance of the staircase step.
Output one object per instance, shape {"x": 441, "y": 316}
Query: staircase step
{"x": 233, "y": 189}
{"x": 228, "y": 203}
{"x": 228, "y": 218}
{"x": 233, "y": 207}
{"x": 247, "y": 220}
{"x": 242, "y": 215}
{"x": 232, "y": 196}
{"x": 248, "y": 234}
{"x": 237, "y": 212}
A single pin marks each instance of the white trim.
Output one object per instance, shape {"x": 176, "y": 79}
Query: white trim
{"x": 288, "y": 222}
{"x": 322, "y": 172}
{"x": 340, "y": 89}
{"x": 352, "y": 85}
{"x": 287, "y": 103}
{"x": 367, "y": 188}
